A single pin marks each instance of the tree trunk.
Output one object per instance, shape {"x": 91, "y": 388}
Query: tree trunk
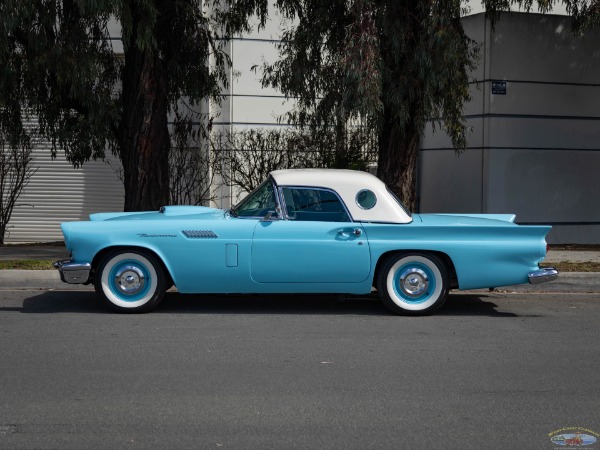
{"x": 144, "y": 135}
{"x": 398, "y": 154}
{"x": 399, "y": 139}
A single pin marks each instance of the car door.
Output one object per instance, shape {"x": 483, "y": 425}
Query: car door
{"x": 316, "y": 242}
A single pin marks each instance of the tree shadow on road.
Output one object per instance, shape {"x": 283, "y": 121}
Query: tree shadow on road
{"x": 87, "y": 302}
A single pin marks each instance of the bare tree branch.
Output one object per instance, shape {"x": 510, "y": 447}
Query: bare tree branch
{"x": 15, "y": 173}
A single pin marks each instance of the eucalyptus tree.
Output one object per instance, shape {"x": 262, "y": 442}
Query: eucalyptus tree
{"x": 391, "y": 65}
{"x": 58, "y": 63}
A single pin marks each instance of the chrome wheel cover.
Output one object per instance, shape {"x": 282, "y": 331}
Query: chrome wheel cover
{"x": 130, "y": 280}
{"x": 414, "y": 282}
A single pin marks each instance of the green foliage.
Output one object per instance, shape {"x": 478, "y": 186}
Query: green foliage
{"x": 366, "y": 58}
{"x": 393, "y": 66}
{"x": 58, "y": 65}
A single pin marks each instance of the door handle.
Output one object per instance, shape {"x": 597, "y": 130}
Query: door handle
{"x": 347, "y": 233}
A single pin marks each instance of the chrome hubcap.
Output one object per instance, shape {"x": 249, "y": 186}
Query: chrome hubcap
{"x": 414, "y": 282}
{"x": 130, "y": 280}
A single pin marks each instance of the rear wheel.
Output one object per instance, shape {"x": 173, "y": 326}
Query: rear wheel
{"x": 131, "y": 281}
{"x": 413, "y": 284}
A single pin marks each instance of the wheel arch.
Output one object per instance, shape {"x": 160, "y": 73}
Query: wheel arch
{"x": 453, "y": 278}
{"x": 100, "y": 255}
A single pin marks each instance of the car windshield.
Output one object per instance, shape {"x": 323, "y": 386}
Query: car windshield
{"x": 258, "y": 203}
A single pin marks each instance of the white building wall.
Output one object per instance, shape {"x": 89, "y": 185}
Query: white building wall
{"x": 247, "y": 104}
{"x": 59, "y": 193}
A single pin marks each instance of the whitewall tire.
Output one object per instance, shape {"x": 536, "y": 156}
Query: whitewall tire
{"x": 131, "y": 281}
{"x": 413, "y": 284}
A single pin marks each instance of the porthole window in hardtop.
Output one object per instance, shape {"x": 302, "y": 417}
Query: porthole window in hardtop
{"x": 258, "y": 203}
{"x": 366, "y": 199}
{"x": 312, "y": 204}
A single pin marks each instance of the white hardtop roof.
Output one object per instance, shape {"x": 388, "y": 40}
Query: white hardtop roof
{"x": 348, "y": 183}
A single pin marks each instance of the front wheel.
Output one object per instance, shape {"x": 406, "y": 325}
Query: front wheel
{"x": 413, "y": 284}
{"x": 131, "y": 281}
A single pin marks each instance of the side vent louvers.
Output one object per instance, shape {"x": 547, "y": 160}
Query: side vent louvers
{"x": 199, "y": 234}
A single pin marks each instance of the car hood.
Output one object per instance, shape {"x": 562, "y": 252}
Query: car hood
{"x": 165, "y": 213}
{"x": 479, "y": 220}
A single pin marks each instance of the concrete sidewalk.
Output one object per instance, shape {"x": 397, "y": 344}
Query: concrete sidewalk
{"x": 576, "y": 256}
{"x": 49, "y": 279}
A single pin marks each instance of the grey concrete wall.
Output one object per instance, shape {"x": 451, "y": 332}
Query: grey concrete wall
{"x": 534, "y": 151}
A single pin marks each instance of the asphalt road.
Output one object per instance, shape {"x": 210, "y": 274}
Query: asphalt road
{"x": 489, "y": 371}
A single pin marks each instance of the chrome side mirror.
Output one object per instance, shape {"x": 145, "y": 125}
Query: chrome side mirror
{"x": 270, "y": 217}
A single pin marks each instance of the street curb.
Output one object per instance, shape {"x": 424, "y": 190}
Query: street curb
{"x": 50, "y": 280}
{"x": 35, "y": 279}
{"x": 566, "y": 282}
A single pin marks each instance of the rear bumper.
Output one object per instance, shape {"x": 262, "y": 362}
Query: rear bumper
{"x": 543, "y": 275}
{"x": 73, "y": 273}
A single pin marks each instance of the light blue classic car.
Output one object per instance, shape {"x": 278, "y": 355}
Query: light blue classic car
{"x": 302, "y": 231}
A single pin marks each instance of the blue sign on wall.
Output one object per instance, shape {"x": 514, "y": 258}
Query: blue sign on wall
{"x": 499, "y": 87}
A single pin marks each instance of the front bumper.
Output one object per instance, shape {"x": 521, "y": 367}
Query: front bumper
{"x": 73, "y": 273}
{"x": 543, "y": 275}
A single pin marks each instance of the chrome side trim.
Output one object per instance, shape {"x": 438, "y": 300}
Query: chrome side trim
{"x": 543, "y": 275}
{"x": 73, "y": 273}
